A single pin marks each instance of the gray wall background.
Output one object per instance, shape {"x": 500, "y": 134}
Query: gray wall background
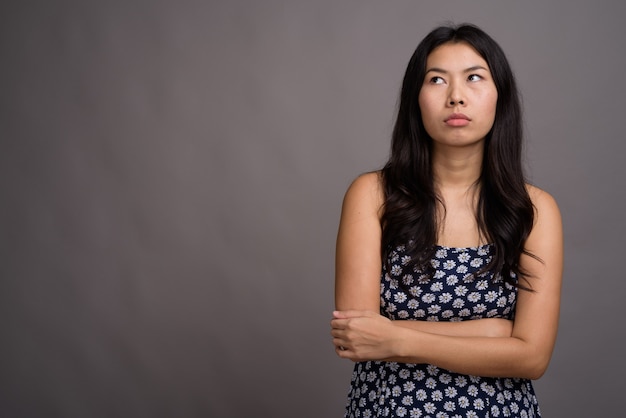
{"x": 171, "y": 175}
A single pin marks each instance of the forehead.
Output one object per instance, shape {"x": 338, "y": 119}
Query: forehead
{"x": 455, "y": 55}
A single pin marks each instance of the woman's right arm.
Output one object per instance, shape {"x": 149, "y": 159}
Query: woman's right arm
{"x": 358, "y": 264}
{"x": 357, "y": 258}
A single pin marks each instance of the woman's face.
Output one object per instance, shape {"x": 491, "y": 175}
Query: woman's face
{"x": 458, "y": 96}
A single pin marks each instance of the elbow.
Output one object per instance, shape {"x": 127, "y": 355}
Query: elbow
{"x": 535, "y": 373}
{"x": 536, "y": 367}
{"x": 533, "y": 359}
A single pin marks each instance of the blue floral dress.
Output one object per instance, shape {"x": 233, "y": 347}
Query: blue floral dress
{"x": 455, "y": 293}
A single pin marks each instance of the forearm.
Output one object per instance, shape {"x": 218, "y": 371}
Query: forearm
{"x": 489, "y": 327}
{"x": 481, "y": 356}
{"x": 364, "y": 335}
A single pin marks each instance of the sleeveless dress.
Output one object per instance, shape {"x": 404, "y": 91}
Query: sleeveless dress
{"x": 455, "y": 293}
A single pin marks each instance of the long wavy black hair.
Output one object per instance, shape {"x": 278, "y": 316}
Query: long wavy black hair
{"x": 504, "y": 212}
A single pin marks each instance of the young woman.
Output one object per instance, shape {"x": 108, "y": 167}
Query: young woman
{"x": 465, "y": 311}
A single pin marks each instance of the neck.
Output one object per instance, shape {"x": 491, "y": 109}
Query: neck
{"x": 455, "y": 168}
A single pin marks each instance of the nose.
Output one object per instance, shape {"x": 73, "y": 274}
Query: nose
{"x": 456, "y": 95}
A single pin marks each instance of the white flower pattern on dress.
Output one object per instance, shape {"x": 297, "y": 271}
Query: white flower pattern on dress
{"x": 456, "y": 292}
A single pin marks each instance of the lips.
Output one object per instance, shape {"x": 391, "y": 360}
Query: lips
{"x": 457, "y": 116}
{"x": 457, "y": 119}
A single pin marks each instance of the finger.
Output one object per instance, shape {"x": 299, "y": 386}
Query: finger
{"x": 338, "y": 314}
{"x": 349, "y": 314}
{"x": 336, "y": 333}
{"x": 339, "y": 323}
{"x": 346, "y": 353}
{"x": 341, "y": 351}
{"x": 339, "y": 340}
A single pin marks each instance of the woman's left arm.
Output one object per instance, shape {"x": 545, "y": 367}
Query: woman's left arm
{"x": 526, "y": 353}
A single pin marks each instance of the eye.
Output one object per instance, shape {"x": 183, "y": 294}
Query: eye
{"x": 436, "y": 80}
{"x": 474, "y": 77}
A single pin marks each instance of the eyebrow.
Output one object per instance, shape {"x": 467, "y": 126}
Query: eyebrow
{"x": 467, "y": 70}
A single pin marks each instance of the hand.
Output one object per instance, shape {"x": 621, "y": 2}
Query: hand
{"x": 364, "y": 335}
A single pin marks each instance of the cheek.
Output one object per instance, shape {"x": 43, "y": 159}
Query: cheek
{"x": 489, "y": 102}
{"x": 493, "y": 101}
{"x": 425, "y": 103}
{"x": 492, "y": 108}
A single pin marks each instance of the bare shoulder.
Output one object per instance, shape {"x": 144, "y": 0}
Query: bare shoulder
{"x": 547, "y": 231}
{"x": 545, "y": 205}
{"x": 366, "y": 192}
{"x": 370, "y": 182}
